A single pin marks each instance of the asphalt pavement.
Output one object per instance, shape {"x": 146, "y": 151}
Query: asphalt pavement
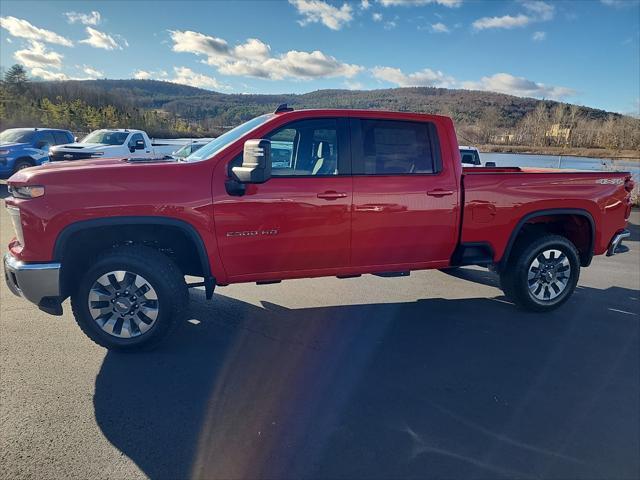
{"x": 436, "y": 375}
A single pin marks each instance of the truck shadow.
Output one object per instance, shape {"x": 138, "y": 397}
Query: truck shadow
{"x": 428, "y": 389}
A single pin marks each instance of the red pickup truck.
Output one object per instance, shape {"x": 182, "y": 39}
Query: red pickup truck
{"x": 297, "y": 194}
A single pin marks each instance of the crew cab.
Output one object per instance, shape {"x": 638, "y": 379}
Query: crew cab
{"x": 111, "y": 143}
{"x": 351, "y": 192}
{"x": 27, "y": 147}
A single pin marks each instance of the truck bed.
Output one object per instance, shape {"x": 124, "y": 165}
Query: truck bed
{"x": 497, "y": 199}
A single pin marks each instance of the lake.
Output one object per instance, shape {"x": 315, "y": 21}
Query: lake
{"x": 554, "y": 161}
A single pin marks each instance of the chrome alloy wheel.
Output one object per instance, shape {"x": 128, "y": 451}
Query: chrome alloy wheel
{"x": 123, "y": 304}
{"x": 548, "y": 275}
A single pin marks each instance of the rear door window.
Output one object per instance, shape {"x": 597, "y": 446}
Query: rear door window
{"x": 390, "y": 147}
{"x": 61, "y": 138}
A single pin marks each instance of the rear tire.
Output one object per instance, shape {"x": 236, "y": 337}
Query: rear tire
{"x": 541, "y": 273}
{"x": 130, "y": 299}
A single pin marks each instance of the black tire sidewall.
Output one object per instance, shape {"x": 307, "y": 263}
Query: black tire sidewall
{"x": 166, "y": 303}
{"x": 528, "y": 254}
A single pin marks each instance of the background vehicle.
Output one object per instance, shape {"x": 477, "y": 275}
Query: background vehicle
{"x": 112, "y": 143}
{"x": 363, "y": 192}
{"x": 189, "y": 148}
{"x": 25, "y": 147}
{"x": 470, "y": 156}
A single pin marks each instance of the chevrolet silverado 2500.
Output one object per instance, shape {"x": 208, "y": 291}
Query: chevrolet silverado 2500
{"x": 297, "y": 194}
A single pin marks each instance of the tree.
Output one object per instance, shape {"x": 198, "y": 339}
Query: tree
{"x": 16, "y": 78}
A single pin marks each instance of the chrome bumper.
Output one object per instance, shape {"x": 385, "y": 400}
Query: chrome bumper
{"x": 32, "y": 281}
{"x": 616, "y": 242}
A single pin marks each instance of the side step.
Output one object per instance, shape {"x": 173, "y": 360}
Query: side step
{"x": 392, "y": 274}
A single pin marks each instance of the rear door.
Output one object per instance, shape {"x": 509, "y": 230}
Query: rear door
{"x": 300, "y": 219}
{"x": 404, "y": 201}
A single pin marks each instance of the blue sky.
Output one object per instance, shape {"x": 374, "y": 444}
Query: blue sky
{"x": 584, "y": 52}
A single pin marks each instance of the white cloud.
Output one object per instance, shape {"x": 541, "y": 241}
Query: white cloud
{"x": 411, "y": 3}
{"x": 102, "y": 40}
{"x": 92, "y": 72}
{"x": 36, "y": 55}
{"x": 186, "y": 76}
{"x": 254, "y": 58}
{"x": 422, "y": 78}
{"x": 537, "y": 11}
{"x": 215, "y": 49}
{"x": 47, "y": 75}
{"x": 22, "y": 29}
{"x": 540, "y": 10}
{"x": 390, "y": 25}
{"x": 253, "y": 49}
{"x": 92, "y": 18}
{"x": 318, "y": 11}
{"x": 506, "y": 21}
{"x": 377, "y": 17}
{"x": 365, "y": 4}
{"x": 619, "y": 3}
{"x": 439, "y": 28}
{"x": 539, "y": 36}
{"x": 149, "y": 75}
{"x": 351, "y": 85}
{"x": 518, "y": 86}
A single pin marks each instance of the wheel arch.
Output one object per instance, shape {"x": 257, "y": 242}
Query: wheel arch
{"x": 586, "y": 253}
{"x": 84, "y": 228}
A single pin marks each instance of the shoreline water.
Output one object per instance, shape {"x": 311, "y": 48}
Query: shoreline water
{"x": 603, "y": 153}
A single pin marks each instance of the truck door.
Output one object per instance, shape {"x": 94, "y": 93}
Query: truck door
{"x": 300, "y": 219}
{"x": 404, "y": 202}
{"x": 139, "y": 146}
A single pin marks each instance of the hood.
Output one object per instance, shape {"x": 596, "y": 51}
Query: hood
{"x": 83, "y": 146}
{"x": 94, "y": 167}
{"x": 4, "y": 146}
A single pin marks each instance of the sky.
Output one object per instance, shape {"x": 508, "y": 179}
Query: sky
{"x": 584, "y": 52}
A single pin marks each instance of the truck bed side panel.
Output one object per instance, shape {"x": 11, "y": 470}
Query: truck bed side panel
{"x": 495, "y": 202}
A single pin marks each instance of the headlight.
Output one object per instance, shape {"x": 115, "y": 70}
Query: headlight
{"x": 5, "y": 152}
{"x": 26, "y": 191}
{"x": 14, "y": 215}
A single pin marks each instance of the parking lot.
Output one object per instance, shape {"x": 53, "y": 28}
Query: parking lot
{"x": 429, "y": 376}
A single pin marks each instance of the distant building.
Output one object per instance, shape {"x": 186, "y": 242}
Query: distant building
{"x": 502, "y": 138}
{"x": 559, "y": 133}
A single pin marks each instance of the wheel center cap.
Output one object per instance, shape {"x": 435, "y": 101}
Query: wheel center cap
{"x": 122, "y": 305}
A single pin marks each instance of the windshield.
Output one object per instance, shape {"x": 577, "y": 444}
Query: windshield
{"x": 187, "y": 150}
{"x": 214, "y": 146}
{"x": 106, "y": 137}
{"x": 16, "y": 135}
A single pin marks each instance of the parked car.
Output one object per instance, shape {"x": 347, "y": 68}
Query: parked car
{"x": 26, "y": 147}
{"x": 470, "y": 156}
{"x": 365, "y": 192}
{"x": 188, "y": 149}
{"x": 111, "y": 143}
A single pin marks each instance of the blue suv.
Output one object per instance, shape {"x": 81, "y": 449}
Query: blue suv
{"x": 25, "y": 147}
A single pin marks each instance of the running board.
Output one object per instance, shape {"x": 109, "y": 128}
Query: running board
{"x": 392, "y": 274}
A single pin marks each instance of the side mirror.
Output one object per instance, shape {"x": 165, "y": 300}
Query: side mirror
{"x": 256, "y": 162}
{"x": 76, "y": 139}
{"x": 490, "y": 164}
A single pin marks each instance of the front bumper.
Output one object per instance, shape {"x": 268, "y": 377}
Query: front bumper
{"x": 616, "y": 243}
{"x": 37, "y": 282}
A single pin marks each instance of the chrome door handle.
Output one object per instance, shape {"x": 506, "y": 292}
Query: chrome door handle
{"x": 332, "y": 195}
{"x": 438, "y": 192}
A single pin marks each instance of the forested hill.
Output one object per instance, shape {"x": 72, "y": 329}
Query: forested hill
{"x": 169, "y": 109}
{"x": 194, "y": 104}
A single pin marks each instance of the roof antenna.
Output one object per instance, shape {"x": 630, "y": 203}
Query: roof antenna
{"x": 283, "y": 108}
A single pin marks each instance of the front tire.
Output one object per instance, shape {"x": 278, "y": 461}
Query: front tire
{"x": 542, "y": 273}
{"x": 130, "y": 299}
{"x": 21, "y": 165}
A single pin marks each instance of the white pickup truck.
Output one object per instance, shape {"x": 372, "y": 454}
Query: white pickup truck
{"x": 112, "y": 143}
